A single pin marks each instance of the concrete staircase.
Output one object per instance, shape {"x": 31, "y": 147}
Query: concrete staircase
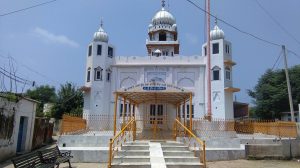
{"x": 155, "y": 154}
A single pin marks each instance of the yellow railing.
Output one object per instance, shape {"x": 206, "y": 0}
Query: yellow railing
{"x": 120, "y": 138}
{"x": 182, "y": 131}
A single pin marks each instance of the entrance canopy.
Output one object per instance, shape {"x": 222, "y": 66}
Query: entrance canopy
{"x": 151, "y": 92}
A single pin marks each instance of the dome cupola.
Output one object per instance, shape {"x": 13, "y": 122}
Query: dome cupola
{"x": 217, "y": 33}
{"x": 163, "y": 17}
{"x": 101, "y": 35}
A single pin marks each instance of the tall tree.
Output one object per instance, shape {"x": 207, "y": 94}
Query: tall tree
{"x": 69, "y": 100}
{"x": 43, "y": 94}
{"x": 270, "y": 94}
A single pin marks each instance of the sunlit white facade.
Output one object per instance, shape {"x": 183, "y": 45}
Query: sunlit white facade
{"x": 107, "y": 72}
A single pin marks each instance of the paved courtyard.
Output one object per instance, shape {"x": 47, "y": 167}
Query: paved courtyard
{"x": 219, "y": 164}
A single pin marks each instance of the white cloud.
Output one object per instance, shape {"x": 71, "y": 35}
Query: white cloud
{"x": 192, "y": 39}
{"x": 50, "y": 37}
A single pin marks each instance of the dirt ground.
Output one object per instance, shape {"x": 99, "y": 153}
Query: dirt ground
{"x": 219, "y": 164}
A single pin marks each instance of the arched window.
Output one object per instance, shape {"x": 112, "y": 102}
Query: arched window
{"x": 162, "y": 36}
{"x": 98, "y": 74}
{"x": 108, "y": 74}
{"x": 88, "y": 76}
{"x": 227, "y": 73}
{"x": 216, "y": 73}
{"x": 157, "y": 80}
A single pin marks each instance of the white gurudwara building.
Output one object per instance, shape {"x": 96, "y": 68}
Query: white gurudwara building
{"x": 163, "y": 69}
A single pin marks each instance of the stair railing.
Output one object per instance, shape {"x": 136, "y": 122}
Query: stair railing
{"x": 127, "y": 133}
{"x": 190, "y": 139}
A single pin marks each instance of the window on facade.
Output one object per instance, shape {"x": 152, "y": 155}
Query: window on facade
{"x": 110, "y": 52}
{"x": 121, "y": 110}
{"x": 172, "y": 54}
{"x": 99, "y": 50}
{"x": 165, "y": 53}
{"x": 90, "y": 50}
{"x": 108, "y": 74}
{"x": 228, "y": 73}
{"x": 215, "y": 48}
{"x": 227, "y": 49}
{"x": 205, "y": 51}
{"x": 160, "y": 110}
{"x": 183, "y": 111}
{"x": 88, "y": 76}
{"x": 133, "y": 110}
{"x": 162, "y": 36}
{"x": 126, "y": 108}
{"x": 152, "y": 110}
{"x": 98, "y": 74}
{"x": 188, "y": 111}
{"x": 216, "y": 73}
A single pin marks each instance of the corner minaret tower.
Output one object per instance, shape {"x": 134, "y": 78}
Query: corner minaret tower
{"x": 98, "y": 74}
{"x": 163, "y": 36}
{"x": 221, "y": 69}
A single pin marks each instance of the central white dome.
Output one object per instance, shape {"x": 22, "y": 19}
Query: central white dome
{"x": 163, "y": 17}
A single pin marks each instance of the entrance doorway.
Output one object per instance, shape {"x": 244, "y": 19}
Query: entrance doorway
{"x": 157, "y": 114}
{"x": 22, "y": 134}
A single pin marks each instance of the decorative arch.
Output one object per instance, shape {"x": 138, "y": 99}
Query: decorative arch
{"x": 216, "y": 73}
{"x": 216, "y": 68}
{"x": 186, "y": 82}
{"x": 157, "y": 80}
{"x": 98, "y": 74}
{"x": 127, "y": 82}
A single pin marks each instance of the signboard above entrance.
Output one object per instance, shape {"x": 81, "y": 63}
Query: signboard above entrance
{"x": 148, "y": 87}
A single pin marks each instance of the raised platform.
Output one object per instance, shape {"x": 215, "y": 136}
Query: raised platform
{"x": 92, "y": 147}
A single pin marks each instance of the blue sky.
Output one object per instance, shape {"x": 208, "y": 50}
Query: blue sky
{"x": 53, "y": 39}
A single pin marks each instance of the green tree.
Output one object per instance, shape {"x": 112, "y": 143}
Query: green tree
{"x": 43, "y": 94}
{"x": 69, "y": 100}
{"x": 270, "y": 94}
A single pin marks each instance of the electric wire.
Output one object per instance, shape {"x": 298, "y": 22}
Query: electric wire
{"x": 31, "y": 69}
{"x": 295, "y": 54}
{"x": 234, "y": 27}
{"x": 17, "y": 77}
{"x": 250, "y": 34}
{"x": 276, "y": 22}
{"x": 27, "y": 8}
{"x": 277, "y": 60}
{"x": 10, "y": 77}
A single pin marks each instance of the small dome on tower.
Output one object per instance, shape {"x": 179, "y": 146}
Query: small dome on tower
{"x": 174, "y": 27}
{"x": 217, "y": 33}
{"x": 101, "y": 35}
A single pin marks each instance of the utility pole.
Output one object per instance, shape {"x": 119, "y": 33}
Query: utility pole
{"x": 208, "y": 51}
{"x": 288, "y": 84}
